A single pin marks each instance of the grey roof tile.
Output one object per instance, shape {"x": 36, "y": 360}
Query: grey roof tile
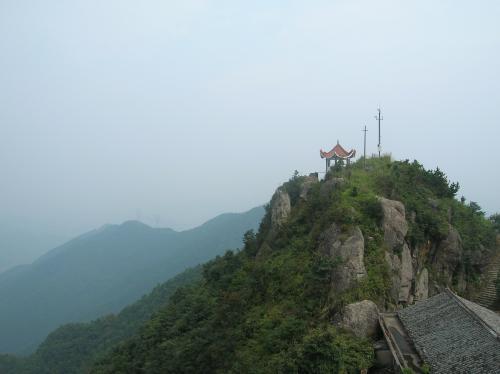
{"x": 450, "y": 337}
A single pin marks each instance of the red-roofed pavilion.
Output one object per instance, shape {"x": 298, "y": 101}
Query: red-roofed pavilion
{"x": 338, "y": 153}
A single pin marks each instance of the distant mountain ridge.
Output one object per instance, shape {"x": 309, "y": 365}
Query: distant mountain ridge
{"x": 75, "y": 347}
{"x": 104, "y": 270}
{"x": 22, "y": 245}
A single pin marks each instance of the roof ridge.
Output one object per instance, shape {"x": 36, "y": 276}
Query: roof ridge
{"x": 472, "y": 313}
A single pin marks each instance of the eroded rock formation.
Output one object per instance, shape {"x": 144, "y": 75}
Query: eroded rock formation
{"x": 361, "y": 318}
{"x": 394, "y": 223}
{"x": 280, "y": 208}
{"x": 448, "y": 255}
{"x": 398, "y": 255}
{"x": 347, "y": 249}
{"x": 422, "y": 285}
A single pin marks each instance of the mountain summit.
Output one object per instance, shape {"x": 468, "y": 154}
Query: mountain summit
{"x": 303, "y": 295}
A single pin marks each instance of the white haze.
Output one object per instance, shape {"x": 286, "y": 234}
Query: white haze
{"x": 172, "y": 112}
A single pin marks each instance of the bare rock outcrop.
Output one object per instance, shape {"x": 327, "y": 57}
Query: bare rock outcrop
{"x": 422, "y": 285}
{"x": 401, "y": 268}
{"x": 361, "y": 318}
{"x": 347, "y": 248}
{"x": 398, "y": 256}
{"x": 280, "y": 208}
{"x": 406, "y": 274}
{"x": 394, "y": 263}
{"x": 448, "y": 255}
{"x": 394, "y": 223}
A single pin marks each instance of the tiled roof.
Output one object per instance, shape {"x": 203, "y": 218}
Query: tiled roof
{"x": 489, "y": 317}
{"x": 454, "y": 336}
{"x": 338, "y": 151}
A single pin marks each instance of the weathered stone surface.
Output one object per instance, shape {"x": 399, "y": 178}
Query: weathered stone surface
{"x": 394, "y": 223}
{"x": 348, "y": 249}
{"x": 401, "y": 274}
{"x": 361, "y": 318}
{"x": 280, "y": 208}
{"x": 422, "y": 286}
{"x": 307, "y": 183}
{"x": 395, "y": 229}
{"x": 406, "y": 274}
{"x": 448, "y": 255}
{"x": 394, "y": 263}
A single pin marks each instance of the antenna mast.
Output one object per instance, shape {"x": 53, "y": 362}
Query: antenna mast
{"x": 364, "y": 156}
{"x": 379, "y": 118}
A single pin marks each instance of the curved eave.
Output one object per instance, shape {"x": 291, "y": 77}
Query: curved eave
{"x": 334, "y": 153}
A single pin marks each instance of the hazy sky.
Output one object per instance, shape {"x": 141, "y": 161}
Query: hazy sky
{"x": 118, "y": 109}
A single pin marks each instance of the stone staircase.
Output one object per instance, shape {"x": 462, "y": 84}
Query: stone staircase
{"x": 488, "y": 295}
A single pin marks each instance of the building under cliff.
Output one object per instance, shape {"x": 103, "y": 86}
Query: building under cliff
{"x": 446, "y": 333}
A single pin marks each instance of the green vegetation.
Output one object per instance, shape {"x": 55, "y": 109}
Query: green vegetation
{"x": 248, "y": 317}
{"x": 10, "y": 364}
{"x": 495, "y": 220}
{"x": 407, "y": 371}
{"x": 425, "y": 369}
{"x": 268, "y": 308}
{"x": 103, "y": 271}
{"x": 431, "y": 206}
{"x": 74, "y": 347}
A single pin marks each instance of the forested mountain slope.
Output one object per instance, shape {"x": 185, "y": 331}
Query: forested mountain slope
{"x": 103, "y": 271}
{"x": 74, "y": 347}
{"x": 388, "y": 235}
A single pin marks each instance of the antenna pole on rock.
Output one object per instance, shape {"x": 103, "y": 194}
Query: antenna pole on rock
{"x": 379, "y": 118}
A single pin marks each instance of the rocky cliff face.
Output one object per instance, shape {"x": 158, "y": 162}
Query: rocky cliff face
{"x": 422, "y": 285}
{"x": 448, "y": 256}
{"x": 394, "y": 223}
{"x": 347, "y": 250}
{"x": 398, "y": 254}
{"x": 418, "y": 273}
{"x": 280, "y": 209}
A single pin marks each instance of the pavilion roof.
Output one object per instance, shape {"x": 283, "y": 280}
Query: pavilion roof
{"x": 338, "y": 151}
